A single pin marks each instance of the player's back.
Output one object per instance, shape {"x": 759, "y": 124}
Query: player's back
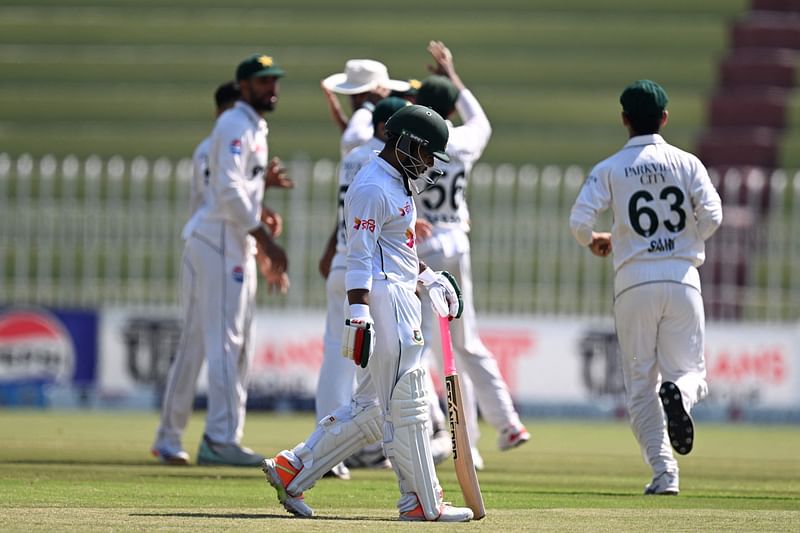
{"x": 653, "y": 188}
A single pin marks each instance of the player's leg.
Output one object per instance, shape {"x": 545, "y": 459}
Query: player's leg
{"x": 441, "y": 444}
{"x": 476, "y": 361}
{"x": 337, "y": 436}
{"x": 336, "y": 375}
{"x": 400, "y": 385}
{"x": 229, "y": 296}
{"x": 338, "y": 372}
{"x": 184, "y": 369}
{"x": 433, "y": 355}
{"x": 681, "y": 345}
{"x": 637, "y": 314}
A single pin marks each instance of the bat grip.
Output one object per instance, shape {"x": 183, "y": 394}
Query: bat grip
{"x": 448, "y": 363}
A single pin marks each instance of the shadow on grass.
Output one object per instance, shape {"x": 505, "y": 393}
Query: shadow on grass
{"x": 249, "y": 516}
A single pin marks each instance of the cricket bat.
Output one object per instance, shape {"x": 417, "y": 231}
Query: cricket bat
{"x": 462, "y": 451}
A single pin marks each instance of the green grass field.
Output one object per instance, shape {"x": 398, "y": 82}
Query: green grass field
{"x": 84, "y": 471}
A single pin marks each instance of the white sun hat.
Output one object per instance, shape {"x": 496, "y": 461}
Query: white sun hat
{"x": 361, "y": 76}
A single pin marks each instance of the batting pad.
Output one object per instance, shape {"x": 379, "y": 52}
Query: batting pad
{"x": 338, "y": 435}
{"x": 409, "y": 448}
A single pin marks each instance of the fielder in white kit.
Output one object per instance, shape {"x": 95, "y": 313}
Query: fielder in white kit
{"x": 218, "y": 277}
{"x": 665, "y": 207}
{"x": 447, "y": 247}
{"x": 383, "y": 333}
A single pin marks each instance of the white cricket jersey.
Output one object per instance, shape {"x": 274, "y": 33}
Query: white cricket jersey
{"x": 380, "y": 218}
{"x": 199, "y": 175}
{"x": 444, "y": 204}
{"x": 237, "y": 163}
{"x": 359, "y": 129}
{"x": 348, "y": 168}
{"x": 664, "y": 208}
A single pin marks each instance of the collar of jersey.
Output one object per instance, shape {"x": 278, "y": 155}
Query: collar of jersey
{"x": 641, "y": 140}
{"x": 389, "y": 169}
{"x": 249, "y": 112}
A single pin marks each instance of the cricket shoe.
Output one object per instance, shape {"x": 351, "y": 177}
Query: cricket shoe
{"x": 280, "y": 473}
{"x": 512, "y": 436}
{"x": 664, "y": 484}
{"x": 212, "y": 453}
{"x": 170, "y": 455}
{"x": 441, "y": 446}
{"x": 680, "y": 427}
{"x": 447, "y": 513}
{"x": 339, "y": 471}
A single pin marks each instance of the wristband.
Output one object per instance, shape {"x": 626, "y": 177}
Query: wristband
{"x": 427, "y": 276}
{"x": 360, "y": 312}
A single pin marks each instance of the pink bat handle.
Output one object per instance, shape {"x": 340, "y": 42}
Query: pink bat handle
{"x": 448, "y": 362}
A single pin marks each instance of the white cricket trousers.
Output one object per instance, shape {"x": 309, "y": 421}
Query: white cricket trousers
{"x": 396, "y": 359}
{"x": 336, "y": 375}
{"x": 480, "y": 376}
{"x": 661, "y": 331}
{"x": 218, "y": 292}
{"x": 396, "y": 311}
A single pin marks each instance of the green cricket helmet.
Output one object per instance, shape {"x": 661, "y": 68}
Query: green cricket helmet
{"x": 422, "y": 125}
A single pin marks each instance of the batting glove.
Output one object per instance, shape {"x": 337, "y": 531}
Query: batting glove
{"x": 444, "y": 292}
{"x": 358, "y": 338}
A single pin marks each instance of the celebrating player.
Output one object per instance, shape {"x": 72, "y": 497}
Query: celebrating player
{"x": 219, "y": 276}
{"x": 446, "y": 247}
{"x": 382, "y": 334}
{"x": 365, "y": 82}
{"x": 664, "y": 207}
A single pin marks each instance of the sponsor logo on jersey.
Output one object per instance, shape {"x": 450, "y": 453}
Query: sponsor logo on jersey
{"x": 417, "y": 336}
{"x": 236, "y": 147}
{"x": 35, "y": 345}
{"x": 410, "y": 240}
{"x": 238, "y": 274}
{"x": 367, "y": 223}
{"x": 406, "y": 209}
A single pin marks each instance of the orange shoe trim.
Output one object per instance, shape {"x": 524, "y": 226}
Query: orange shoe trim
{"x": 285, "y": 470}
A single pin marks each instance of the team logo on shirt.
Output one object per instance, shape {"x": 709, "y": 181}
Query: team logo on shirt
{"x": 405, "y": 210}
{"x": 367, "y": 223}
{"x": 236, "y": 147}
{"x": 238, "y": 274}
{"x": 410, "y": 240}
{"x": 417, "y": 336}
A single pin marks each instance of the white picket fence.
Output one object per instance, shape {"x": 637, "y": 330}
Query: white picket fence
{"x": 89, "y": 232}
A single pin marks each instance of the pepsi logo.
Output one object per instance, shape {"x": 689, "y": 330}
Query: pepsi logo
{"x": 34, "y": 345}
{"x": 238, "y": 274}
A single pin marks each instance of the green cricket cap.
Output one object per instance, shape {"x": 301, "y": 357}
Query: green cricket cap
{"x": 438, "y": 93}
{"x": 386, "y": 108}
{"x": 258, "y": 65}
{"x": 643, "y": 98}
